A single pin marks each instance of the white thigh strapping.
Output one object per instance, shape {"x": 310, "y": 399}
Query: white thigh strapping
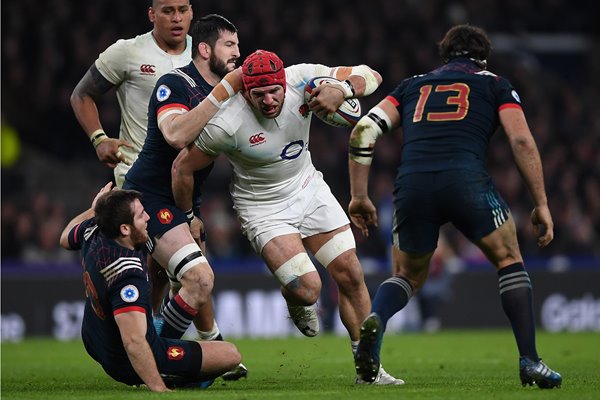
{"x": 335, "y": 246}
{"x": 184, "y": 259}
{"x": 294, "y": 268}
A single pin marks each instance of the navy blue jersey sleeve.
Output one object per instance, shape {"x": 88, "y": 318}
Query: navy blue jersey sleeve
{"x": 396, "y": 96}
{"x": 77, "y": 233}
{"x": 506, "y": 95}
{"x": 171, "y": 92}
{"x": 128, "y": 288}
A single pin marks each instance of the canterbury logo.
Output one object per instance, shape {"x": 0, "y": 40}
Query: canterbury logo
{"x": 147, "y": 69}
{"x": 256, "y": 139}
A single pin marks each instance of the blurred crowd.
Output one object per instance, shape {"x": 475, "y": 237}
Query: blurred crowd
{"x": 50, "y": 170}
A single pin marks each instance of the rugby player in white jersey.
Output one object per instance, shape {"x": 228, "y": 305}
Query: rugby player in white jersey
{"x": 284, "y": 205}
{"x": 134, "y": 66}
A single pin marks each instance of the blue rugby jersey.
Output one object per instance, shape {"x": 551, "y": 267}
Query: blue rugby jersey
{"x": 151, "y": 173}
{"x": 116, "y": 281}
{"x": 449, "y": 115}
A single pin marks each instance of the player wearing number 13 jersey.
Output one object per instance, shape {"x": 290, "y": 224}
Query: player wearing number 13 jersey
{"x": 448, "y": 117}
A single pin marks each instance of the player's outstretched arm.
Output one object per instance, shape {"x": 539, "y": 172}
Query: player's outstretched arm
{"x": 87, "y": 214}
{"x": 83, "y": 101}
{"x": 133, "y": 326}
{"x": 529, "y": 164}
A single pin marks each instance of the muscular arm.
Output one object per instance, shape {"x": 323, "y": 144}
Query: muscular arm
{"x": 83, "y": 101}
{"x": 529, "y": 164}
{"x": 188, "y": 161}
{"x": 180, "y": 130}
{"x": 64, "y": 236}
{"x": 84, "y": 97}
{"x": 362, "y": 141}
{"x": 132, "y": 326}
{"x": 87, "y": 214}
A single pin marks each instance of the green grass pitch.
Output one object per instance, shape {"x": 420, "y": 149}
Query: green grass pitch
{"x": 447, "y": 365}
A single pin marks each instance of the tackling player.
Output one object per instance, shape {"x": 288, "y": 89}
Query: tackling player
{"x": 117, "y": 328}
{"x": 177, "y": 112}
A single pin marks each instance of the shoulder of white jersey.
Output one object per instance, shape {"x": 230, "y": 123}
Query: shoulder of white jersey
{"x": 124, "y": 45}
{"x": 115, "y": 61}
{"x": 233, "y": 114}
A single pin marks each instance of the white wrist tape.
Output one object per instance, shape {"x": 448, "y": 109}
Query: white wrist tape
{"x": 227, "y": 87}
{"x": 189, "y": 215}
{"x": 371, "y": 83}
{"x": 347, "y": 88}
{"x": 97, "y": 137}
{"x": 213, "y": 100}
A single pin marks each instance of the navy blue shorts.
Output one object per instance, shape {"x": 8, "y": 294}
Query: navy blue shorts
{"x": 164, "y": 215}
{"x": 178, "y": 361}
{"x": 424, "y": 202}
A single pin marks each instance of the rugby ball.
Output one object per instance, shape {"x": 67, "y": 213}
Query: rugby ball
{"x": 346, "y": 116}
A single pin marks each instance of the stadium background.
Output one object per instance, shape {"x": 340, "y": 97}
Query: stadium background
{"x": 547, "y": 48}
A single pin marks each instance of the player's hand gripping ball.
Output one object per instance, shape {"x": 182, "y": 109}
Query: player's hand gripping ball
{"x": 346, "y": 116}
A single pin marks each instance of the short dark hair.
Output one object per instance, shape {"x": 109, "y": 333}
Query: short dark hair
{"x": 113, "y": 209}
{"x": 465, "y": 41}
{"x": 207, "y": 29}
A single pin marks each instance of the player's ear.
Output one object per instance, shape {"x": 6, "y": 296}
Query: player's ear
{"x": 151, "y": 14}
{"x": 204, "y": 50}
{"x": 125, "y": 229}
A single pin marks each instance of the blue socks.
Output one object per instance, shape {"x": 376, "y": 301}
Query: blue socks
{"x": 392, "y": 296}
{"x": 516, "y": 295}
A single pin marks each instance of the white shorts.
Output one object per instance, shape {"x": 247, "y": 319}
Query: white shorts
{"x": 312, "y": 211}
{"x": 120, "y": 172}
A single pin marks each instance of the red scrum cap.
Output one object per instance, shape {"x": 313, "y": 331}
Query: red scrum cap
{"x": 262, "y": 68}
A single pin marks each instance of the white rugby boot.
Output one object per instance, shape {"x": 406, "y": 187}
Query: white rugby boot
{"x": 305, "y": 319}
{"x": 382, "y": 378}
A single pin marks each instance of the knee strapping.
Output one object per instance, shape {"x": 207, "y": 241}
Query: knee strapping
{"x": 335, "y": 246}
{"x": 294, "y": 268}
{"x": 184, "y": 259}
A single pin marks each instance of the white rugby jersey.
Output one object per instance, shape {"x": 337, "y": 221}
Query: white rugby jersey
{"x": 134, "y": 65}
{"x": 270, "y": 157}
